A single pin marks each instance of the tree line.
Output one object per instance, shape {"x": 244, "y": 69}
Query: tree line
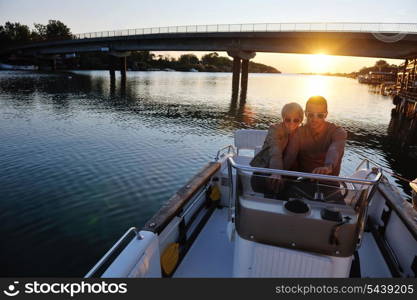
{"x": 379, "y": 66}
{"x": 145, "y": 61}
{"x": 15, "y": 34}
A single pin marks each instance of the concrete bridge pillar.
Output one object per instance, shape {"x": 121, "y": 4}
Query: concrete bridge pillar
{"x": 244, "y": 78}
{"x": 236, "y": 75}
{"x": 123, "y": 70}
{"x": 122, "y": 65}
{"x": 112, "y": 71}
{"x": 240, "y": 64}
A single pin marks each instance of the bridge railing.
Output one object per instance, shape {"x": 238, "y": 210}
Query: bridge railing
{"x": 260, "y": 27}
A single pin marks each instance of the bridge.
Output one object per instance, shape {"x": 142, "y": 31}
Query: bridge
{"x": 242, "y": 41}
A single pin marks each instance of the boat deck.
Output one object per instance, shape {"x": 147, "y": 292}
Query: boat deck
{"x": 211, "y": 255}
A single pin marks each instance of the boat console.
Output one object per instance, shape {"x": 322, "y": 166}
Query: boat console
{"x": 308, "y": 214}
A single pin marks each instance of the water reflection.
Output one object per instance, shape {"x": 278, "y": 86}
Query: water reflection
{"x": 403, "y": 131}
{"x": 83, "y": 158}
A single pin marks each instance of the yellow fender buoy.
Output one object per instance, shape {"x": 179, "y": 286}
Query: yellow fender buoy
{"x": 169, "y": 258}
{"x": 215, "y": 193}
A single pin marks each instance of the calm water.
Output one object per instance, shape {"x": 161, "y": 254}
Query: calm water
{"x": 80, "y": 162}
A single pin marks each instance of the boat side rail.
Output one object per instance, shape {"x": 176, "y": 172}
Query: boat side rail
{"x": 175, "y": 205}
{"x": 106, "y": 258}
{"x": 374, "y": 181}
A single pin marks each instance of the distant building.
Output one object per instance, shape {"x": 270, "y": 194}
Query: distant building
{"x": 406, "y": 99}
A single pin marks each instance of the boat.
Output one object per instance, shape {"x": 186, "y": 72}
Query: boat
{"x": 315, "y": 226}
{"x": 17, "y": 67}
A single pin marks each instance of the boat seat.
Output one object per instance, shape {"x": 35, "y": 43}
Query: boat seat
{"x": 243, "y": 159}
{"x": 252, "y": 259}
{"x": 249, "y": 139}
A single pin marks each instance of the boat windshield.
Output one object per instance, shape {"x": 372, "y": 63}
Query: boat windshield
{"x": 288, "y": 185}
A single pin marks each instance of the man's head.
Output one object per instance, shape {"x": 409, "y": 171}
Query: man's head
{"x": 316, "y": 111}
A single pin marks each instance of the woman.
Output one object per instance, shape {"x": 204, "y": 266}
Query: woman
{"x": 271, "y": 154}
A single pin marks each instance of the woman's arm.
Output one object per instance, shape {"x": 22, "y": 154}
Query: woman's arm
{"x": 278, "y": 141}
{"x": 292, "y": 150}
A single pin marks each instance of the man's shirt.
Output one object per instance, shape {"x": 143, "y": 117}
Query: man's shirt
{"x": 307, "y": 151}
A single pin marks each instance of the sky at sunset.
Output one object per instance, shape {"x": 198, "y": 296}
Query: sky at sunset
{"x": 88, "y": 16}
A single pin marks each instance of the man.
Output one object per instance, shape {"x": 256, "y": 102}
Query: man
{"x": 318, "y": 146}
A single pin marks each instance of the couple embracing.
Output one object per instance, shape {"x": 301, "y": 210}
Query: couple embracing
{"x": 314, "y": 147}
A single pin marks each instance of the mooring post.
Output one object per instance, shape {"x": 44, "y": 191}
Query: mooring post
{"x": 244, "y": 79}
{"x": 404, "y": 71}
{"x": 236, "y": 75}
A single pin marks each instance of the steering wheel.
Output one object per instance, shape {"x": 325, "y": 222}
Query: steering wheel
{"x": 297, "y": 191}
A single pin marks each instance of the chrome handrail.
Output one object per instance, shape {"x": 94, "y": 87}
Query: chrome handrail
{"x": 260, "y": 27}
{"x": 306, "y": 175}
{"x": 228, "y": 147}
{"x": 106, "y": 256}
{"x": 364, "y": 161}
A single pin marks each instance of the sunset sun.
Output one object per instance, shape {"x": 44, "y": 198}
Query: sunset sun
{"x": 319, "y": 63}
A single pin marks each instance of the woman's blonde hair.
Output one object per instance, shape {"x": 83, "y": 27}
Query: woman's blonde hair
{"x": 292, "y": 107}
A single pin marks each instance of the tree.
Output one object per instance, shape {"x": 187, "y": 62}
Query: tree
{"x": 39, "y": 33}
{"x": 210, "y": 58}
{"x": 381, "y": 64}
{"x": 54, "y": 30}
{"x": 14, "y": 33}
{"x": 188, "y": 59}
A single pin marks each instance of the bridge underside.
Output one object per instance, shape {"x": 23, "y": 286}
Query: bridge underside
{"x": 331, "y": 43}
